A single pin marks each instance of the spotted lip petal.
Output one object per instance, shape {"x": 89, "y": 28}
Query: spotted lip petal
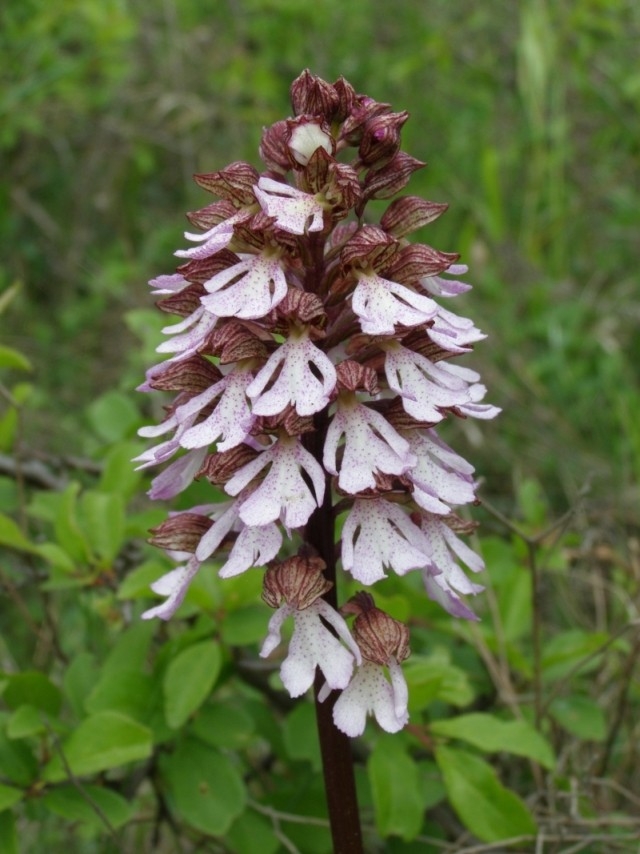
{"x": 293, "y": 210}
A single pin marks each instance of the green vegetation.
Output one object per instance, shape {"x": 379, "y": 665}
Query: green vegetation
{"x": 118, "y": 735}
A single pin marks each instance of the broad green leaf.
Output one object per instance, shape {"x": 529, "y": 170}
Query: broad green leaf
{"x": 137, "y": 583}
{"x": 25, "y": 721}
{"x": 127, "y": 691}
{"x": 8, "y": 834}
{"x": 56, "y": 556}
{"x": 223, "y": 724}
{"x": 396, "y": 790}
{"x": 434, "y": 677}
{"x": 246, "y": 625}
{"x": 483, "y": 804}
{"x": 9, "y": 796}
{"x": 113, "y": 416}
{"x": 300, "y": 735}
{"x": 564, "y": 652}
{"x": 205, "y": 788}
{"x": 68, "y": 802}
{"x": 78, "y": 680}
{"x": 189, "y": 680}
{"x": 17, "y": 762}
{"x": 101, "y": 741}
{"x": 119, "y": 474}
{"x": 251, "y": 833}
{"x": 68, "y": 533}
{"x": 34, "y": 688}
{"x": 12, "y": 537}
{"x": 10, "y": 358}
{"x": 491, "y": 734}
{"x": 581, "y": 716}
{"x": 102, "y": 519}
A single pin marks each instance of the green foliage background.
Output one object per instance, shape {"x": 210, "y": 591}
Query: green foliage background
{"x": 123, "y": 736}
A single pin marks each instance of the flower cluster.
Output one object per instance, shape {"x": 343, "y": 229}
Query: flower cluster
{"x": 313, "y": 358}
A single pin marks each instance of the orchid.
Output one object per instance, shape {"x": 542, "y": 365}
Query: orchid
{"x": 312, "y": 364}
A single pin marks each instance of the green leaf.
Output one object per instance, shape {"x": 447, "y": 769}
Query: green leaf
{"x": 24, "y": 722}
{"x": 113, "y": 416}
{"x": 17, "y": 762}
{"x": 127, "y": 691}
{"x": 206, "y": 789}
{"x": 581, "y": 716}
{"x": 78, "y": 680}
{"x": 102, "y": 741}
{"x": 250, "y": 833}
{"x": 223, "y": 724}
{"x": 137, "y": 584}
{"x": 491, "y": 734}
{"x": 10, "y": 358}
{"x": 189, "y": 680}
{"x": 12, "y": 537}
{"x": 9, "y": 796}
{"x": 564, "y": 652}
{"x": 300, "y": 735}
{"x": 67, "y": 530}
{"x": 74, "y": 805}
{"x": 8, "y": 834}
{"x": 119, "y": 474}
{"x": 434, "y": 677}
{"x": 483, "y": 804}
{"x": 102, "y": 520}
{"x": 34, "y": 688}
{"x": 246, "y": 625}
{"x": 396, "y": 790}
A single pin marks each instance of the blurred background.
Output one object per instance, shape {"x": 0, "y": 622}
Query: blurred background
{"x": 528, "y": 114}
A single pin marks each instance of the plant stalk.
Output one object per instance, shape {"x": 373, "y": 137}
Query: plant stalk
{"x": 335, "y": 746}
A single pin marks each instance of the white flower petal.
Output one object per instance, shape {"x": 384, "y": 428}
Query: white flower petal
{"x": 376, "y": 534}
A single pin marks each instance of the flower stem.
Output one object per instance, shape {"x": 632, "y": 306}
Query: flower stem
{"x": 335, "y": 746}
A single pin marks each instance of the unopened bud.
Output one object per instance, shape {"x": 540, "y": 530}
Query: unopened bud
{"x": 314, "y": 96}
{"x": 180, "y": 533}
{"x": 298, "y": 581}
{"x": 381, "y": 139}
{"x": 235, "y": 183}
{"x": 408, "y": 214}
{"x": 378, "y": 635}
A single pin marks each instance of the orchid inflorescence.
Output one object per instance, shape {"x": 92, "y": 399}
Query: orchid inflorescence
{"x": 310, "y": 369}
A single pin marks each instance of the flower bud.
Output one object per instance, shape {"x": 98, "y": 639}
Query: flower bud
{"x": 381, "y": 139}
{"x": 346, "y": 98}
{"x": 298, "y": 581}
{"x": 235, "y": 183}
{"x": 391, "y": 178}
{"x": 180, "y": 533}
{"x": 232, "y": 341}
{"x": 378, "y": 635}
{"x": 408, "y": 214}
{"x": 314, "y": 96}
{"x": 183, "y": 302}
{"x": 370, "y": 247}
{"x": 220, "y": 467}
{"x": 193, "y": 375}
{"x": 274, "y": 149}
{"x": 352, "y": 376}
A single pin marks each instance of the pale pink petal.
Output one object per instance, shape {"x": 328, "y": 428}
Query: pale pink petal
{"x": 174, "y": 586}
{"x": 296, "y": 383}
{"x": 231, "y": 420}
{"x": 294, "y": 211}
{"x": 377, "y": 534}
{"x": 382, "y": 304}
{"x": 253, "y": 547}
{"x": 371, "y": 445}
{"x": 426, "y": 387}
{"x": 249, "y": 289}
{"x": 369, "y": 691}
{"x": 177, "y": 476}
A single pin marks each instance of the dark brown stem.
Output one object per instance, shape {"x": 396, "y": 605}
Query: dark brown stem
{"x": 335, "y": 746}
